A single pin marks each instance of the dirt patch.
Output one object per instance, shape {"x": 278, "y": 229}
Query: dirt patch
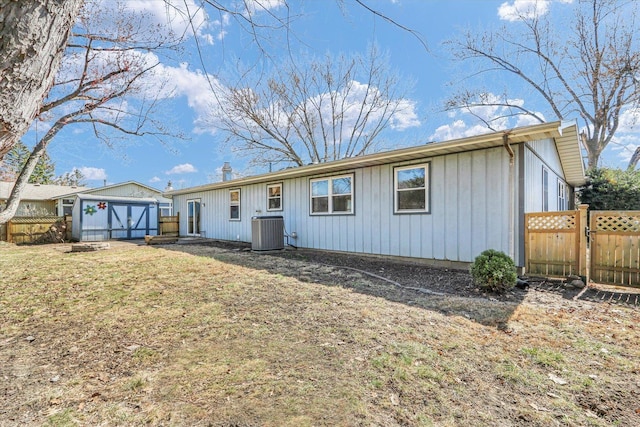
{"x": 408, "y": 279}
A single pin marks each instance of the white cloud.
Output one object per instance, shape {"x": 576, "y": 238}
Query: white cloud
{"x": 522, "y": 9}
{"x": 458, "y": 129}
{"x": 406, "y": 116}
{"x": 181, "y": 17}
{"x": 155, "y": 179}
{"x": 525, "y": 9}
{"x": 627, "y": 137}
{"x": 464, "y": 123}
{"x": 198, "y": 88}
{"x": 92, "y": 174}
{"x": 351, "y": 101}
{"x": 255, "y": 6}
{"x": 183, "y": 168}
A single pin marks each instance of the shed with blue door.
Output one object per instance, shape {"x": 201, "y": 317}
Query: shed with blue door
{"x": 98, "y": 218}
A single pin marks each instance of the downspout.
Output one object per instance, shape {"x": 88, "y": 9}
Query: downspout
{"x": 505, "y": 142}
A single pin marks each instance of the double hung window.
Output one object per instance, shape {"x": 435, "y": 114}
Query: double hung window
{"x": 332, "y": 195}
{"x": 411, "y": 189}
{"x": 562, "y": 196}
{"x": 234, "y": 205}
{"x": 274, "y": 197}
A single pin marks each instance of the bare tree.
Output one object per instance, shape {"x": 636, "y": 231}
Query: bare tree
{"x": 315, "y": 112}
{"x": 103, "y": 84}
{"x": 33, "y": 35}
{"x": 586, "y": 68}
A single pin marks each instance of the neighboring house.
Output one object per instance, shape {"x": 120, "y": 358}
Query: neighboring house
{"x": 445, "y": 201}
{"x": 41, "y": 199}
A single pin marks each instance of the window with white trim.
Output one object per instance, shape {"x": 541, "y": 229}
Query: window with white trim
{"x": 411, "y": 189}
{"x": 274, "y": 197}
{"x": 234, "y": 205}
{"x": 67, "y": 206}
{"x": 562, "y": 196}
{"x": 332, "y": 195}
{"x": 545, "y": 190}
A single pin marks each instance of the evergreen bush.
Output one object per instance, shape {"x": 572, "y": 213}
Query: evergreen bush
{"x": 494, "y": 271}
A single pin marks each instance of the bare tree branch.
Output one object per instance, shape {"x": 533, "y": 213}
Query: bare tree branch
{"x": 589, "y": 72}
{"x": 316, "y": 113}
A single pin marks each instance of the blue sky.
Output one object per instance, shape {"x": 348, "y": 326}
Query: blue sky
{"x": 321, "y": 26}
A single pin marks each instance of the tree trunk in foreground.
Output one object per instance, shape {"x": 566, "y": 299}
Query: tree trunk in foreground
{"x": 33, "y": 35}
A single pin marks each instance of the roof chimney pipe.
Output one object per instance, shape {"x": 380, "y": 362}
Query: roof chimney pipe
{"x": 226, "y": 172}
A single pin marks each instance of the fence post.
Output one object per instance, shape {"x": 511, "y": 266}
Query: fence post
{"x": 583, "y": 247}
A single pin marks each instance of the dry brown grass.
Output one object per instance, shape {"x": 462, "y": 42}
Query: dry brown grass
{"x": 145, "y": 335}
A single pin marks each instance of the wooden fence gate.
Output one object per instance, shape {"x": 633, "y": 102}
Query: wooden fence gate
{"x": 605, "y": 251}
{"x": 553, "y": 243}
{"x": 170, "y": 225}
{"x": 615, "y": 247}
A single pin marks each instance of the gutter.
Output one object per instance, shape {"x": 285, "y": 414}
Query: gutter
{"x": 512, "y": 196}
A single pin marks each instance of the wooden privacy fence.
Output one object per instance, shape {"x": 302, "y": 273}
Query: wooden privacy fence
{"x": 554, "y": 243}
{"x": 615, "y": 247}
{"x": 46, "y": 229}
{"x": 606, "y": 250}
{"x": 169, "y": 225}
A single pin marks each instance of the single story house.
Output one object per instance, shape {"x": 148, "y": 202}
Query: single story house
{"x": 41, "y": 199}
{"x": 445, "y": 202}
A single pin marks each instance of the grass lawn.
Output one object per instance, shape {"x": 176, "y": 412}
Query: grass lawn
{"x": 147, "y": 335}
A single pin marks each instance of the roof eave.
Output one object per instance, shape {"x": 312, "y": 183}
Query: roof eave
{"x": 488, "y": 140}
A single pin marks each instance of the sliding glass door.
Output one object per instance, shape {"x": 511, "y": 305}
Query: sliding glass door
{"x": 193, "y": 220}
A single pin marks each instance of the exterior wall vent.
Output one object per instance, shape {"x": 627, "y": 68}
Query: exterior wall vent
{"x": 267, "y": 233}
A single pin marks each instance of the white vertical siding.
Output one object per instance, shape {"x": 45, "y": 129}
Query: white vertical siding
{"x": 534, "y": 153}
{"x": 469, "y": 211}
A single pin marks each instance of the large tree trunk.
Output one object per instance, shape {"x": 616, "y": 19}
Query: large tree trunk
{"x": 33, "y": 35}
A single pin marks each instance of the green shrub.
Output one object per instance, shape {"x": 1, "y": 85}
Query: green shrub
{"x": 494, "y": 271}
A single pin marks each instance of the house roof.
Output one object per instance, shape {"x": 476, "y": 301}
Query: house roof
{"x": 122, "y": 184}
{"x": 108, "y": 188}
{"x": 39, "y": 191}
{"x": 122, "y": 199}
{"x": 565, "y": 135}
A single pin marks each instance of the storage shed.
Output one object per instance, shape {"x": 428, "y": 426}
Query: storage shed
{"x": 98, "y": 218}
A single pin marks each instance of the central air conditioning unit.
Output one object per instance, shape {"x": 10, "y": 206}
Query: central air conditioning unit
{"x": 267, "y": 233}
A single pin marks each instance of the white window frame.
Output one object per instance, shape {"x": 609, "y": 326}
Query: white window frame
{"x": 233, "y": 203}
{"x": 165, "y": 209}
{"x": 562, "y": 195}
{"x": 427, "y": 188}
{"x": 270, "y": 198}
{"x": 330, "y": 195}
{"x": 67, "y": 203}
{"x": 194, "y": 222}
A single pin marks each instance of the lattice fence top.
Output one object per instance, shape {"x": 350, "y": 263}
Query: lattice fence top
{"x": 552, "y": 222}
{"x": 617, "y": 223}
{"x": 36, "y": 219}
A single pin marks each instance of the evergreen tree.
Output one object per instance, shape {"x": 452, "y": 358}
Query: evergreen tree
{"x": 15, "y": 160}
{"x": 612, "y": 189}
{"x": 75, "y": 178}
